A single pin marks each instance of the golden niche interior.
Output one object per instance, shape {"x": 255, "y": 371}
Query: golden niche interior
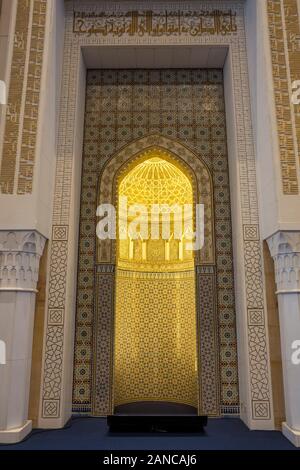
{"x": 155, "y": 360}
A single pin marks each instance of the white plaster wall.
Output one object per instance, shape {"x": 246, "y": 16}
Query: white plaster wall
{"x": 16, "y": 326}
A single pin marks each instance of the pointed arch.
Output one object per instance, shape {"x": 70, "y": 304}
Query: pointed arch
{"x": 193, "y": 164}
{"x": 207, "y": 347}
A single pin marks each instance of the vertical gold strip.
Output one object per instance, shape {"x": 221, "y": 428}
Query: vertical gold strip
{"x": 293, "y": 45}
{"x": 28, "y": 147}
{"x": 13, "y": 113}
{"x": 282, "y": 99}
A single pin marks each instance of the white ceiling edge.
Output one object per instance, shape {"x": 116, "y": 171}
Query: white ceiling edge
{"x": 134, "y": 57}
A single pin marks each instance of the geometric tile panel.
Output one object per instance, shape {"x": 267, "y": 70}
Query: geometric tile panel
{"x": 259, "y": 363}
{"x": 152, "y": 361}
{"x": 209, "y": 378}
{"x": 58, "y": 266}
{"x": 55, "y": 329}
{"x": 52, "y": 376}
{"x": 251, "y": 232}
{"x": 102, "y": 376}
{"x": 51, "y": 408}
{"x": 258, "y": 353}
{"x": 188, "y": 105}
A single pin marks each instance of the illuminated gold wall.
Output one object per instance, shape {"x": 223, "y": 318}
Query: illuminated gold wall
{"x": 155, "y": 338}
{"x": 155, "y": 323}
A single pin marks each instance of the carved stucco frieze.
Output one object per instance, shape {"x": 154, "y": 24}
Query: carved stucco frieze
{"x": 20, "y": 253}
{"x": 285, "y": 250}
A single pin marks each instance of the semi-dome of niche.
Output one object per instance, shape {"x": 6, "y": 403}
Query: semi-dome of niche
{"x": 156, "y": 181}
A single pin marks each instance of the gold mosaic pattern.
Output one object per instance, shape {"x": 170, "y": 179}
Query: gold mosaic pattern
{"x": 285, "y": 53}
{"x": 156, "y": 105}
{"x": 155, "y": 338}
{"x": 16, "y": 174}
{"x": 155, "y": 314}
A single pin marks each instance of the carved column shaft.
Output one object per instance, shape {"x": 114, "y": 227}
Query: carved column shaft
{"x": 20, "y": 253}
{"x": 285, "y": 250}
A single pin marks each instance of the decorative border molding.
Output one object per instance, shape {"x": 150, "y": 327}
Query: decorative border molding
{"x": 53, "y": 355}
{"x": 154, "y": 23}
{"x": 102, "y": 398}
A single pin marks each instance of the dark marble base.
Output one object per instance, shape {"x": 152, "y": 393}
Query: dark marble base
{"x": 158, "y": 408}
{"x": 156, "y": 417}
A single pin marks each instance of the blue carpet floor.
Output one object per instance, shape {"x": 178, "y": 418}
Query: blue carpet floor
{"x": 84, "y": 433}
